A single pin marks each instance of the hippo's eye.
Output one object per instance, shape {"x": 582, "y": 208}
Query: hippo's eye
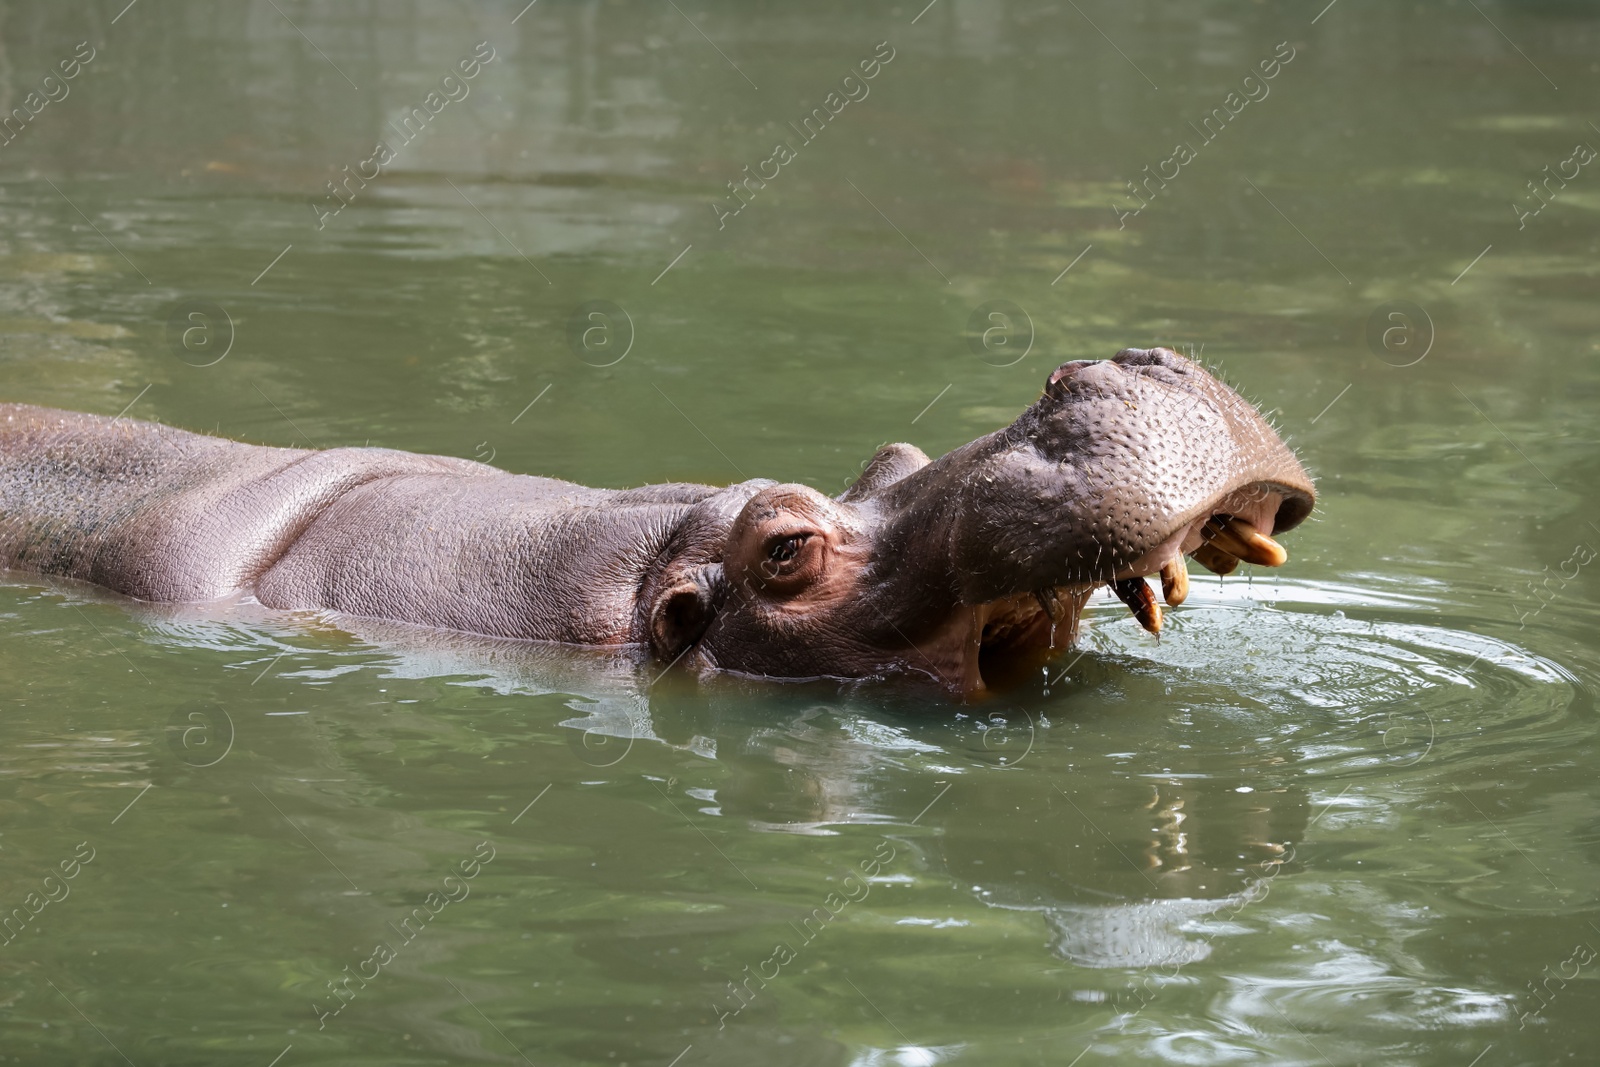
{"x": 787, "y": 549}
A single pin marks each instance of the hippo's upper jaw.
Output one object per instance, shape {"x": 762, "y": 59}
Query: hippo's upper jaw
{"x": 979, "y": 563}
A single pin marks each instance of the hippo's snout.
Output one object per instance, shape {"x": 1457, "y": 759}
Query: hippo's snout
{"x": 1119, "y": 471}
{"x": 1155, "y": 459}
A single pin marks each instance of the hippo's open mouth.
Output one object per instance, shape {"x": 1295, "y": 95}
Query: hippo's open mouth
{"x": 1237, "y": 529}
{"x": 1013, "y": 635}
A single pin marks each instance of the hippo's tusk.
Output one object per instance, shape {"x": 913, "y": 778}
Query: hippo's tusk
{"x": 1174, "y": 582}
{"x": 1238, "y": 538}
{"x": 1135, "y": 593}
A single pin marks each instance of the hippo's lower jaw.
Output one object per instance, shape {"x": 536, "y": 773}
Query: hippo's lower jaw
{"x": 971, "y": 569}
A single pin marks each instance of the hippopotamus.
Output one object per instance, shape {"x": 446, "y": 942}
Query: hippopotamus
{"x": 966, "y": 570}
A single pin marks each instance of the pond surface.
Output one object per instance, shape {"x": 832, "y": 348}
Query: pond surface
{"x": 1341, "y": 813}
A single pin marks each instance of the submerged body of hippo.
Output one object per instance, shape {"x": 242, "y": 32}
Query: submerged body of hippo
{"x": 976, "y": 564}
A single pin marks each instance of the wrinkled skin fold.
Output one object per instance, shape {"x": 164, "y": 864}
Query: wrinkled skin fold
{"x": 966, "y": 570}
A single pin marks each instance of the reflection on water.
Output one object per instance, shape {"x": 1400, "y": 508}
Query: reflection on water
{"x": 1342, "y": 815}
{"x": 1187, "y": 858}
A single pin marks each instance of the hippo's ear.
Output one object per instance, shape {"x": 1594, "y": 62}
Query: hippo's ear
{"x": 684, "y": 609}
{"x": 888, "y": 465}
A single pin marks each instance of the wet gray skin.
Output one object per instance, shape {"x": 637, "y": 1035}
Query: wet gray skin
{"x": 977, "y": 564}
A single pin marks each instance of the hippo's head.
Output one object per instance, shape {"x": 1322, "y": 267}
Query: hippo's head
{"x": 970, "y": 567}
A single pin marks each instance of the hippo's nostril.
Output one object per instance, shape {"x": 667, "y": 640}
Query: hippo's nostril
{"x": 1292, "y": 512}
{"x": 1056, "y": 384}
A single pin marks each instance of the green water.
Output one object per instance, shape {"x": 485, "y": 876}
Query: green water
{"x": 1344, "y": 813}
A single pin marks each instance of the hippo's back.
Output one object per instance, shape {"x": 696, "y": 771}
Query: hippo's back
{"x": 163, "y": 514}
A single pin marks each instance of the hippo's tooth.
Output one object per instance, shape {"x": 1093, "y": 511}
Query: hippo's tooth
{"x": 1238, "y": 538}
{"x": 1135, "y": 593}
{"x": 1215, "y": 560}
{"x": 1174, "y": 582}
